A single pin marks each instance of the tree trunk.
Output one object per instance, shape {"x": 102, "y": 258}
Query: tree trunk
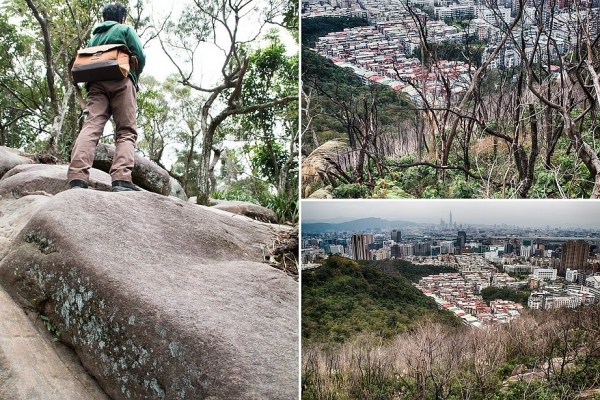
{"x": 203, "y": 194}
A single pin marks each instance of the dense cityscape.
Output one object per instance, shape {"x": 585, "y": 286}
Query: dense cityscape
{"x": 559, "y": 266}
{"x": 383, "y": 51}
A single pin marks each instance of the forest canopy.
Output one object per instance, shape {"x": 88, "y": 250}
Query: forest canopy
{"x": 343, "y": 298}
{"x": 235, "y": 137}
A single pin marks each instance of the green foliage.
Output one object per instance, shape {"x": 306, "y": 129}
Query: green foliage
{"x": 567, "y": 176}
{"x": 284, "y": 205}
{"x": 350, "y": 191}
{"x": 418, "y": 181}
{"x": 386, "y": 189}
{"x": 290, "y": 19}
{"x": 155, "y": 118}
{"x": 271, "y": 132}
{"x": 343, "y": 298}
{"x": 17, "y": 96}
{"x": 42, "y": 112}
{"x": 319, "y": 69}
{"x": 313, "y": 28}
{"x": 186, "y": 167}
{"x": 493, "y": 293}
{"x": 256, "y": 191}
{"x": 452, "y": 52}
{"x": 267, "y": 160}
{"x": 233, "y": 195}
{"x": 50, "y": 327}
{"x": 408, "y": 270}
{"x": 248, "y": 189}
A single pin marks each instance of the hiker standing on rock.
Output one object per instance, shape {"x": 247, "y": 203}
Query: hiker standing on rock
{"x": 106, "y": 98}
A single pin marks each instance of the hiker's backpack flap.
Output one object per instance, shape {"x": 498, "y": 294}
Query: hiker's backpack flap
{"x": 101, "y": 63}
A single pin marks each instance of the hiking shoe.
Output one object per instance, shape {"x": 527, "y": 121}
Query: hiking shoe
{"x": 78, "y": 184}
{"x": 124, "y": 186}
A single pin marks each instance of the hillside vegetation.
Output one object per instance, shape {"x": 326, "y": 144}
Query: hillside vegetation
{"x": 493, "y": 293}
{"x": 369, "y": 334}
{"x": 343, "y": 298}
{"x": 314, "y": 28}
{"x": 409, "y": 270}
{"x": 527, "y": 131}
{"x": 551, "y": 355}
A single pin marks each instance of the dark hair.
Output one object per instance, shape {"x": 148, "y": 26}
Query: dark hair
{"x": 114, "y": 12}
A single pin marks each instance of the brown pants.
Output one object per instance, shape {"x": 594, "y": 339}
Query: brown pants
{"x": 116, "y": 98}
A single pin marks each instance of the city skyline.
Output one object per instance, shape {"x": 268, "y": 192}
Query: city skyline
{"x": 521, "y": 213}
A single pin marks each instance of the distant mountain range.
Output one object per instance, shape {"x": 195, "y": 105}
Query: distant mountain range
{"x": 356, "y": 225}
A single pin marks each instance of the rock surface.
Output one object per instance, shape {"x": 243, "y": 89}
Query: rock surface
{"x": 50, "y": 179}
{"x": 322, "y": 193}
{"x": 159, "y": 298}
{"x": 10, "y": 158}
{"x": 177, "y": 190}
{"x": 245, "y": 208}
{"x": 145, "y": 174}
{"x": 250, "y": 210}
{"x": 32, "y": 366}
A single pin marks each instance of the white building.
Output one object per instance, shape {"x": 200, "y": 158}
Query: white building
{"x": 447, "y": 247}
{"x": 593, "y": 281}
{"x": 495, "y": 17}
{"x": 518, "y": 269}
{"x": 545, "y": 300}
{"x": 407, "y": 249}
{"x": 526, "y": 251}
{"x": 571, "y": 275}
{"x": 336, "y": 249}
{"x": 380, "y": 254}
{"x": 545, "y": 273}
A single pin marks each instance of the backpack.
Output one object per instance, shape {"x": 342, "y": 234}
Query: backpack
{"x": 103, "y": 63}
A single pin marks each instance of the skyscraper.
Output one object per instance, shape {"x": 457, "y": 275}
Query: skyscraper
{"x": 574, "y": 255}
{"x": 396, "y": 235}
{"x": 360, "y": 246}
{"x": 450, "y": 226}
{"x": 462, "y": 239}
{"x": 396, "y": 251}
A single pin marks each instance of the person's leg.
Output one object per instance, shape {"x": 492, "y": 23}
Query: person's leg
{"x": 82, "y": 155}
{"x": 123, "y": 104}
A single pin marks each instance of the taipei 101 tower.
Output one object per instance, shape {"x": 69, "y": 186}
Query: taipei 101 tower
{"x": 450, "y": 220}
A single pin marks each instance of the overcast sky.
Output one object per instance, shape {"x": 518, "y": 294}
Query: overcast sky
{"x": 533, "y": 213}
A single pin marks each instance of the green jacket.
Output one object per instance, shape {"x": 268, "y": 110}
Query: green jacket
{"x": 121, "y": 34}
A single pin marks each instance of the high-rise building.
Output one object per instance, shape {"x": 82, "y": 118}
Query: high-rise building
{"x": 396, "y": 251}
{"x": 360, "y": 246}
{"x": 447, "y": 246}
{"x": 396, "y": 235}
{"x": 462, "y": 239}
{"x": 574, "y": 255}
{"x": 450, "y": 226}
{"x": 407, "y": 249}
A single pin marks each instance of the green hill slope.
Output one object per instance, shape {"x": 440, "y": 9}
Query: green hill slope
{"x": 409, "y": 270}
{"x": 313, "y": 28}
{"x": 343, "y": 298}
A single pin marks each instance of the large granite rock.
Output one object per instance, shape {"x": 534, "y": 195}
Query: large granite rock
{"x": 245, "y": 208}
{"x": 33, "y": 366}
{"x": 45, "y": 179}
{"x": 322, "y": 193}
{"x": 145, "y": 174}
{"x": 10, "y": 158}
{"x": 177, "y": 190}
{"x": 159, "y": 298}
